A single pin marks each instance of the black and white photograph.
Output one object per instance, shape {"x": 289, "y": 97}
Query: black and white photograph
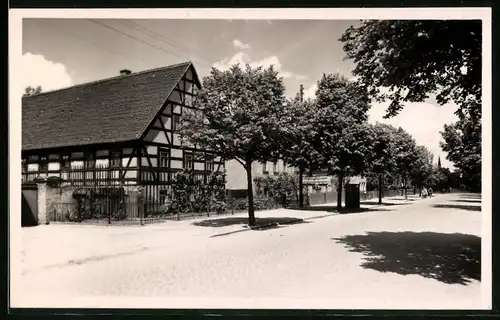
{"x": 250, "y": 158}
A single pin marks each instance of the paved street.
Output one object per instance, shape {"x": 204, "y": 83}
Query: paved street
{"x": 421, "y": 253}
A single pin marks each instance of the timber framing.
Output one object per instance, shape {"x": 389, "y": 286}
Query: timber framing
{"x": 152, "y": 158}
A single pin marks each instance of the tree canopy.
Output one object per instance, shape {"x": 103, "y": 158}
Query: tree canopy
{"x": 239, "y": 113}
{"x": 422, "y": 168}
{"x": 415, "y": 58}
{"x": 382, "y": 159}
{"x": 300, "y": 147}
{"x": 299, "y": 134}
{"x": 406, "y": 155}
{"x": 338, "y": 92}
{"x": 462, "y": 142}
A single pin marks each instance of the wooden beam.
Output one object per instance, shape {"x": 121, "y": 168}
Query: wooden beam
{"x": 128, "y": 163}
{"x": 155, "y": 174}
{"x": 165, "y": 130}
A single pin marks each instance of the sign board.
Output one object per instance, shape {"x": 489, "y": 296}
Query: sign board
{"x": 357, "y": 180}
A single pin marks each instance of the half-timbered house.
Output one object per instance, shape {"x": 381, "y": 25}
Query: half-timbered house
{"x": 122, "y": 128}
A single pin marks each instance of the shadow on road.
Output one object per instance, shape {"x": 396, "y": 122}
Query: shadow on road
{"x": 469, "y": 200}
{"x": 458, "y": 206}
{"x": 261, "y": 223}
{"x": 342, "y": 210}
{"x": 449, "y": 258}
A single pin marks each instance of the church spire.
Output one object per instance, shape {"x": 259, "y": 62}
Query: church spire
{"x": 439, "y": 162}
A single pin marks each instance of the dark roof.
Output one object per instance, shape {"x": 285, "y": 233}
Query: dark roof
{"x": 106, "y": 111}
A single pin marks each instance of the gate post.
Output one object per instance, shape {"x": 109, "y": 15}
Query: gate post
{"x": 42, "y": 216}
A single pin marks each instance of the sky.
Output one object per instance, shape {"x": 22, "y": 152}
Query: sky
{"x": 58, "y": 53}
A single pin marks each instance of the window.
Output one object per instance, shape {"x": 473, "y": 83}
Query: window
{"x": 164, "y": 155}
{"x": 188, "y": 161}
{"x": 65, "y": 162}
{"x": 54, "y": 166}
{"x": 102, "y": 163}
{"x": 175, "y": 121}
{"x": 78, "y": 165}
{"x": 275, "y": 167}
{"x": 164, "y": 196}
{"x": 115, "y": 159}
{"x": 44, "y": 164}
{"x": 209, "y": 165}
{"x": 89, "y": 161}
{"x": 264, "y": 167}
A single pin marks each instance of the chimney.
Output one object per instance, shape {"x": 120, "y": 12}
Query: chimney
{"x": 125, "y": 72}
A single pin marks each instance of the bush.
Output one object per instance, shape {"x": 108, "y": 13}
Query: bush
{"x": 193, "y": 195}
{"x": 282, "y": 188}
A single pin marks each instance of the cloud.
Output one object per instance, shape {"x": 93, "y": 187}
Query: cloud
{"x": 423, "y": 121}
{"x": 239, "y": 58}
{"x": 242, "y": 59}
{"x": 240, "y": 45}
{"x": 38, "y": 71}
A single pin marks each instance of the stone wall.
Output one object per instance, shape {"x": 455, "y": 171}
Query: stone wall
{"x": 60, "y": 202}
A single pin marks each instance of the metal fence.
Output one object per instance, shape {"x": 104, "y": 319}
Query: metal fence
{"x": 99, "y": 196}
{"x": 147, "y": 204}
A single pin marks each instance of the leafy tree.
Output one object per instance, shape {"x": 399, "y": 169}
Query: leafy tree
{"x": 415, "y": 58}
{"x": 239, "y": 117}
{"x": 383, "y": 157}
{"x": 300, "y": 144}
{"x": 344, "y": 138}
{"x": 30, "y": 91}
{"x": 406, "y": 156}
{"x": 422, "y": 170}
{"x": 346, "y": 145}
{"x": 462, "y": 142}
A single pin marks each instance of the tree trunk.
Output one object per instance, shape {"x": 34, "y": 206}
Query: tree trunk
{"x": 406, "y": 189}
{"x": 251, "y": 213}
{"x": 339, "y": 190}
{"x": 380, "y": 186}
{"x": 301, "y": 186}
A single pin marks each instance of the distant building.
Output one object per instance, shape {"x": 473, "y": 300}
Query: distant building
{"x": 358, "y": 180}
{"x": 321, "y": 181}
{"x": 237, "y": 177}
